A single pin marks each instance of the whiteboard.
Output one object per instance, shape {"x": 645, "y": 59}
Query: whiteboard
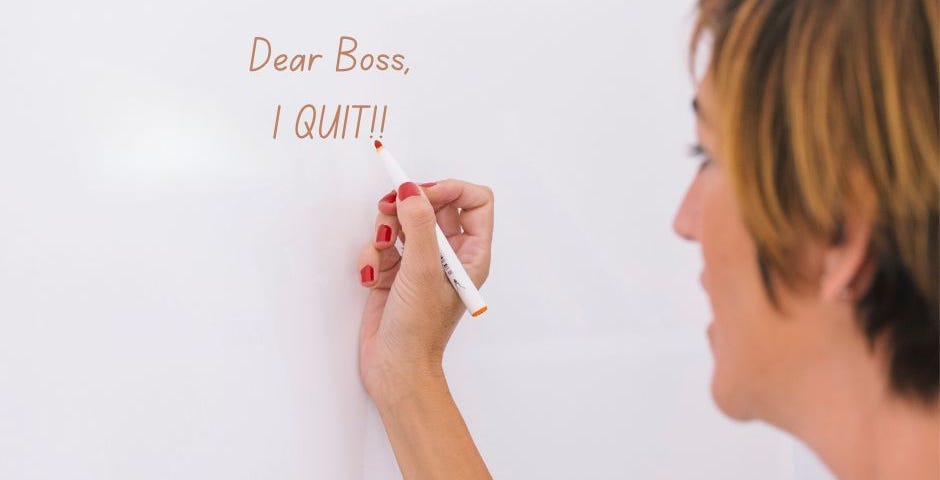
{"x": 179, "y": 295}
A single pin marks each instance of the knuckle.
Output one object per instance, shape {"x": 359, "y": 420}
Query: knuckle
{"x": 422, "y": 217}
{"x": 488, "y": 193}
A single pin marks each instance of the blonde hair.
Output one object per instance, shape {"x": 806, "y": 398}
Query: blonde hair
{"x": 815, "y": 96}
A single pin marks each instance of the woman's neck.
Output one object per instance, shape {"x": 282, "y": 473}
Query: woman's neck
{"x": 860, "y": 428}
{"x": 895, "y": 440}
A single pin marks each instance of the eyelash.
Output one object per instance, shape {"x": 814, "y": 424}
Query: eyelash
{"x": 698, "y": 152}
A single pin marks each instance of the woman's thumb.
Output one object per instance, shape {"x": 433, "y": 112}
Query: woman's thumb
{"x": 418, "y": 223}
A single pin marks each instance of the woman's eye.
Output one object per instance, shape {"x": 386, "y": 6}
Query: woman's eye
{"x": 704, "y": 163}
{"x": 697, "y": 152}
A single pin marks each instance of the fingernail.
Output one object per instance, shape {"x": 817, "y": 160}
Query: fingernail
{"x": 428, "y": 184}
{"x": 384, "y": 234}
{"x": 366, "y": 275}
{"x": 407, "y": 189}
{"x": 390, "y": 198}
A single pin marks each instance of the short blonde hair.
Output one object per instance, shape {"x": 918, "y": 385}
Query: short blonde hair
{"x": 812, "y": 92}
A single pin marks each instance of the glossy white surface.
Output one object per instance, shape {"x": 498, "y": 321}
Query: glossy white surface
{"x": 178, "y": 291}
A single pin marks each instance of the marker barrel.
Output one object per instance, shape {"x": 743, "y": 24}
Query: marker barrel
{"x": 458, "y": 276}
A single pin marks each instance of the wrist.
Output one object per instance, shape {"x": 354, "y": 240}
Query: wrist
{"x": 396, "y": 386}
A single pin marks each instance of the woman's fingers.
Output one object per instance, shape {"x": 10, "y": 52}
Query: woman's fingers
{"x": 472, "y": 205}
{"x": 460, "y": 208}
{"x": 388, "y": 202}
{"x": 449, "y": 220}
{"x": 377, "y": 268}
{"x": 387, "y": 277}
{"x": 474, "y": 201}
{"x": 387, "y": 229}
{"x": 368, "y": 264}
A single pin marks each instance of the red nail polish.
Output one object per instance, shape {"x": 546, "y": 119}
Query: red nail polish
{"x": 366, "y": 275}
{"x": 428, "y": 184}
{"x": 384, "y": 234}
{"x": 407, "y": 189}
{"x": 390, "y": 198}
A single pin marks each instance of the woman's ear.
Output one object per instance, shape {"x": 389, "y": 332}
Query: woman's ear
{"x": 847, "y": 263}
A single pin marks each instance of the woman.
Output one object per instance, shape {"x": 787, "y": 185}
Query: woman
{"x": 816, "y": 209}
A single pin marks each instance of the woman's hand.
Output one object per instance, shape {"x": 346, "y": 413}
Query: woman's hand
{"x": 412, "y": 309}
{"x": 410, "y": 314}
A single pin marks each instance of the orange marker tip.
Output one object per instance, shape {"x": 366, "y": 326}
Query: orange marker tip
{"x": 479, "y": 312}
{"x": 378, "y": 144}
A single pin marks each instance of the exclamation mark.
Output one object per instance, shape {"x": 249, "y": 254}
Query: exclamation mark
{"x": 375, "y": 109}
{"x": 382, "y": 127}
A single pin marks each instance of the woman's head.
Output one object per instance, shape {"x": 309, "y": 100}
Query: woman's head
{"x": 817, "y": 205}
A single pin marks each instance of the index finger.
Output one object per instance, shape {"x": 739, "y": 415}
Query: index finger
{"x": 474, "y": 201}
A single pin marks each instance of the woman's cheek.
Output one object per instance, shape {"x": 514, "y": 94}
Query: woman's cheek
{"x": 728, "y": 252}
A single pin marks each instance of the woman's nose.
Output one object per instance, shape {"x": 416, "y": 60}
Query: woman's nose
{"x": 686, "y": 221}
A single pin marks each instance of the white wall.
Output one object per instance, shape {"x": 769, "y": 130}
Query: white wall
{"x": 178, "y": 291}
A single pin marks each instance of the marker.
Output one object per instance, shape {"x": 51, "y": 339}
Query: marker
{"x": 449, "y": 262}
